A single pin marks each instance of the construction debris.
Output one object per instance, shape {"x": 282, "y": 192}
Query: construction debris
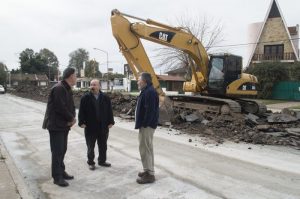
{"x": 268, "y": 129}
{"x": 281, "y": 118}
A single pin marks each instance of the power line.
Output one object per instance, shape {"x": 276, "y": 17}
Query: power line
{"x": 246, "y": 44}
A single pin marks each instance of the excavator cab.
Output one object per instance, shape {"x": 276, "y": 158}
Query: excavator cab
{"x": 223, "y": 70}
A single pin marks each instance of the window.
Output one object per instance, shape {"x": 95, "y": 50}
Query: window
{"x": 273, "y": 52}
{"x": 216, "y": 75}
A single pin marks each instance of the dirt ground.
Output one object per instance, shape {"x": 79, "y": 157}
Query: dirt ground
{"x": 267, "y": 129}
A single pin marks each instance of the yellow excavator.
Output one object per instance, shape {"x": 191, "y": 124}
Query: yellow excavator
{"x": 217, "y": 83}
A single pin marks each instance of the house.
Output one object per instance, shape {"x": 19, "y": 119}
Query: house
{"x": 171, "y": 83}
{"x": 83, "y": 83}
{"x": 168, "y": 83}
{"x": 272, "y": 39}
{"x": 181, "y": 72}
{"x": 29, "y": 79}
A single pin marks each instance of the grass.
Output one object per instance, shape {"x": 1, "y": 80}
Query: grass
{"x": 270, "y": 101}
{"x": 294, "y": 107}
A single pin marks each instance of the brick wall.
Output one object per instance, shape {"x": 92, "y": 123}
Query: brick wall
{"x": 274, "y": 30}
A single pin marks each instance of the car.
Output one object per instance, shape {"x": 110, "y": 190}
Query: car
{"x": 2, "y": 89}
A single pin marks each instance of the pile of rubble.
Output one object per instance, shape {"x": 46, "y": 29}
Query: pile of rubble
{"x": 31, "y": 92}
{"x": 123, "y": 105}
{"x": 269, "y": 129}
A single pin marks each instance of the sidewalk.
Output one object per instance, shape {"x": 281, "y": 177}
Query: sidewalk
{"x": 12, "y": 185}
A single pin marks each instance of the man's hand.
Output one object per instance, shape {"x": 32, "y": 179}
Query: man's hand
{"x": 83, "y": 126}
{"x": 72, "y": 123}
{"x": 109, "y": 126}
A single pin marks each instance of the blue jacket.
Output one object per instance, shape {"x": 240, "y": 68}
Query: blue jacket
{"x": 147, "y": 108}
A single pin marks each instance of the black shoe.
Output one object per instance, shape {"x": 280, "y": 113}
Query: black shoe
{"x": 61, "y": 182}
{"x": 104, "y": 164}
{"x": 146, "y": 178}
{"x": 142, "y": 173}
{"x": 92, "y": 167}
{"x": 66, "y": 176}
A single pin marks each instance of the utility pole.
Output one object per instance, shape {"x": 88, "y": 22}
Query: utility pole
{"x": 107, "y": 80}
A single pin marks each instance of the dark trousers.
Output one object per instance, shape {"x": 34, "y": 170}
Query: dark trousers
{"x": 91, "y": 139}
{"x": 58, "y": 145}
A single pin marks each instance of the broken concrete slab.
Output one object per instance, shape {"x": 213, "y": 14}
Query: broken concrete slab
{"x": 263, "y": 127}
{"x": 125, "y": 116}
{"x": 293, "y": 131}
{"x": 192, "y": 117}
{"x": 281, "y": 118}
{"x": 297, "y": 115}
{"x": 205, "y": 122}
{"x": 277, "y": 134}
{"x": 253, "y": 118}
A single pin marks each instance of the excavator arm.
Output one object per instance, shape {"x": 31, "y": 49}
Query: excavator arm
{"x": 129, "y": 35}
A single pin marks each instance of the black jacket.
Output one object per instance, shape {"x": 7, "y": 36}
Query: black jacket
{"x": 147, "y": 109}
{"x": 95, "y": 114}
{"x": 60, "y": 108}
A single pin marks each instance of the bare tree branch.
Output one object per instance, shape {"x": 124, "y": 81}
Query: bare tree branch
{"x": 209, "y": 32}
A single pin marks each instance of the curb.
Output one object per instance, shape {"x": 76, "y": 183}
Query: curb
{"x": 15, "y": 174}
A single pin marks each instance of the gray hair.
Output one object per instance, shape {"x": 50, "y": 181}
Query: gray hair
{"x": 146, "y": 77}
{"x": 68, "y": 72}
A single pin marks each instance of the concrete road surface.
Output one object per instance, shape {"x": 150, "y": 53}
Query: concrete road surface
{"x": 183, "y": 169}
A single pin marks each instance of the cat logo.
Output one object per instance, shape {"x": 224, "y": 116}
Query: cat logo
{"x": 165, "y": 36}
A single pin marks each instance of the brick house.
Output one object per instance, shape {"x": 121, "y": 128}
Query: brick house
{"x": 272, "y": 39}
{"x": 29, "y": 79}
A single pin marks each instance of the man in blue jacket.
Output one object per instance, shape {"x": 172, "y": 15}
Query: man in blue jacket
{"x": 146, "y": 120}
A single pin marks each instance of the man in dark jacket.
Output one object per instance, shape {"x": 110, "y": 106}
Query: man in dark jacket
{"x": 146, "y": 120}
{"x": 96, "y": 117}
{"x": 59, "y": 117}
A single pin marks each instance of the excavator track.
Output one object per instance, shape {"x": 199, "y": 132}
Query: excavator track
{"x": 252, "y": 106}
{"x": 217, "y": 105}
{"x": 205, "y": 103}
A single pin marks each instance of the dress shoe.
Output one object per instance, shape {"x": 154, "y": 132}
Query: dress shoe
{"x": 141, "y": 173}
{"x": 104, "y": 164}
{"x": 146, "y": 178}
{"x": 61, "y": 182}
{"x": 92, "y": 167}
{"x": 66, "y": 176}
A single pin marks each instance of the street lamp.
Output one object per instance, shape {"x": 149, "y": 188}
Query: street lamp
{"x": 106, "y": 64}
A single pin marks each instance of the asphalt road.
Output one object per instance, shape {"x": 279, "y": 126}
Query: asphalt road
{"x": 183, "y": 170}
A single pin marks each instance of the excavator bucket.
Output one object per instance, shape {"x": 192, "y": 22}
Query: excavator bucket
{"x": 165, "y": 110}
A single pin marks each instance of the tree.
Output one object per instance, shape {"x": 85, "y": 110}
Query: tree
{"x": 77, "y": 58}
{"x": 3, "y": 73}
{"x": 32, "y": 62}
{"x": 207, "y": 31}
{"x": 295, "y": 71}
{"x": 92, "y": 69}
{"x": 112, "y": 76}
{"x": 269, "y": 74}
{"x": 51, "y": 62}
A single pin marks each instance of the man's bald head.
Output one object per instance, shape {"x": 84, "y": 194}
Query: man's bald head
{"x": 95, "y": 86}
